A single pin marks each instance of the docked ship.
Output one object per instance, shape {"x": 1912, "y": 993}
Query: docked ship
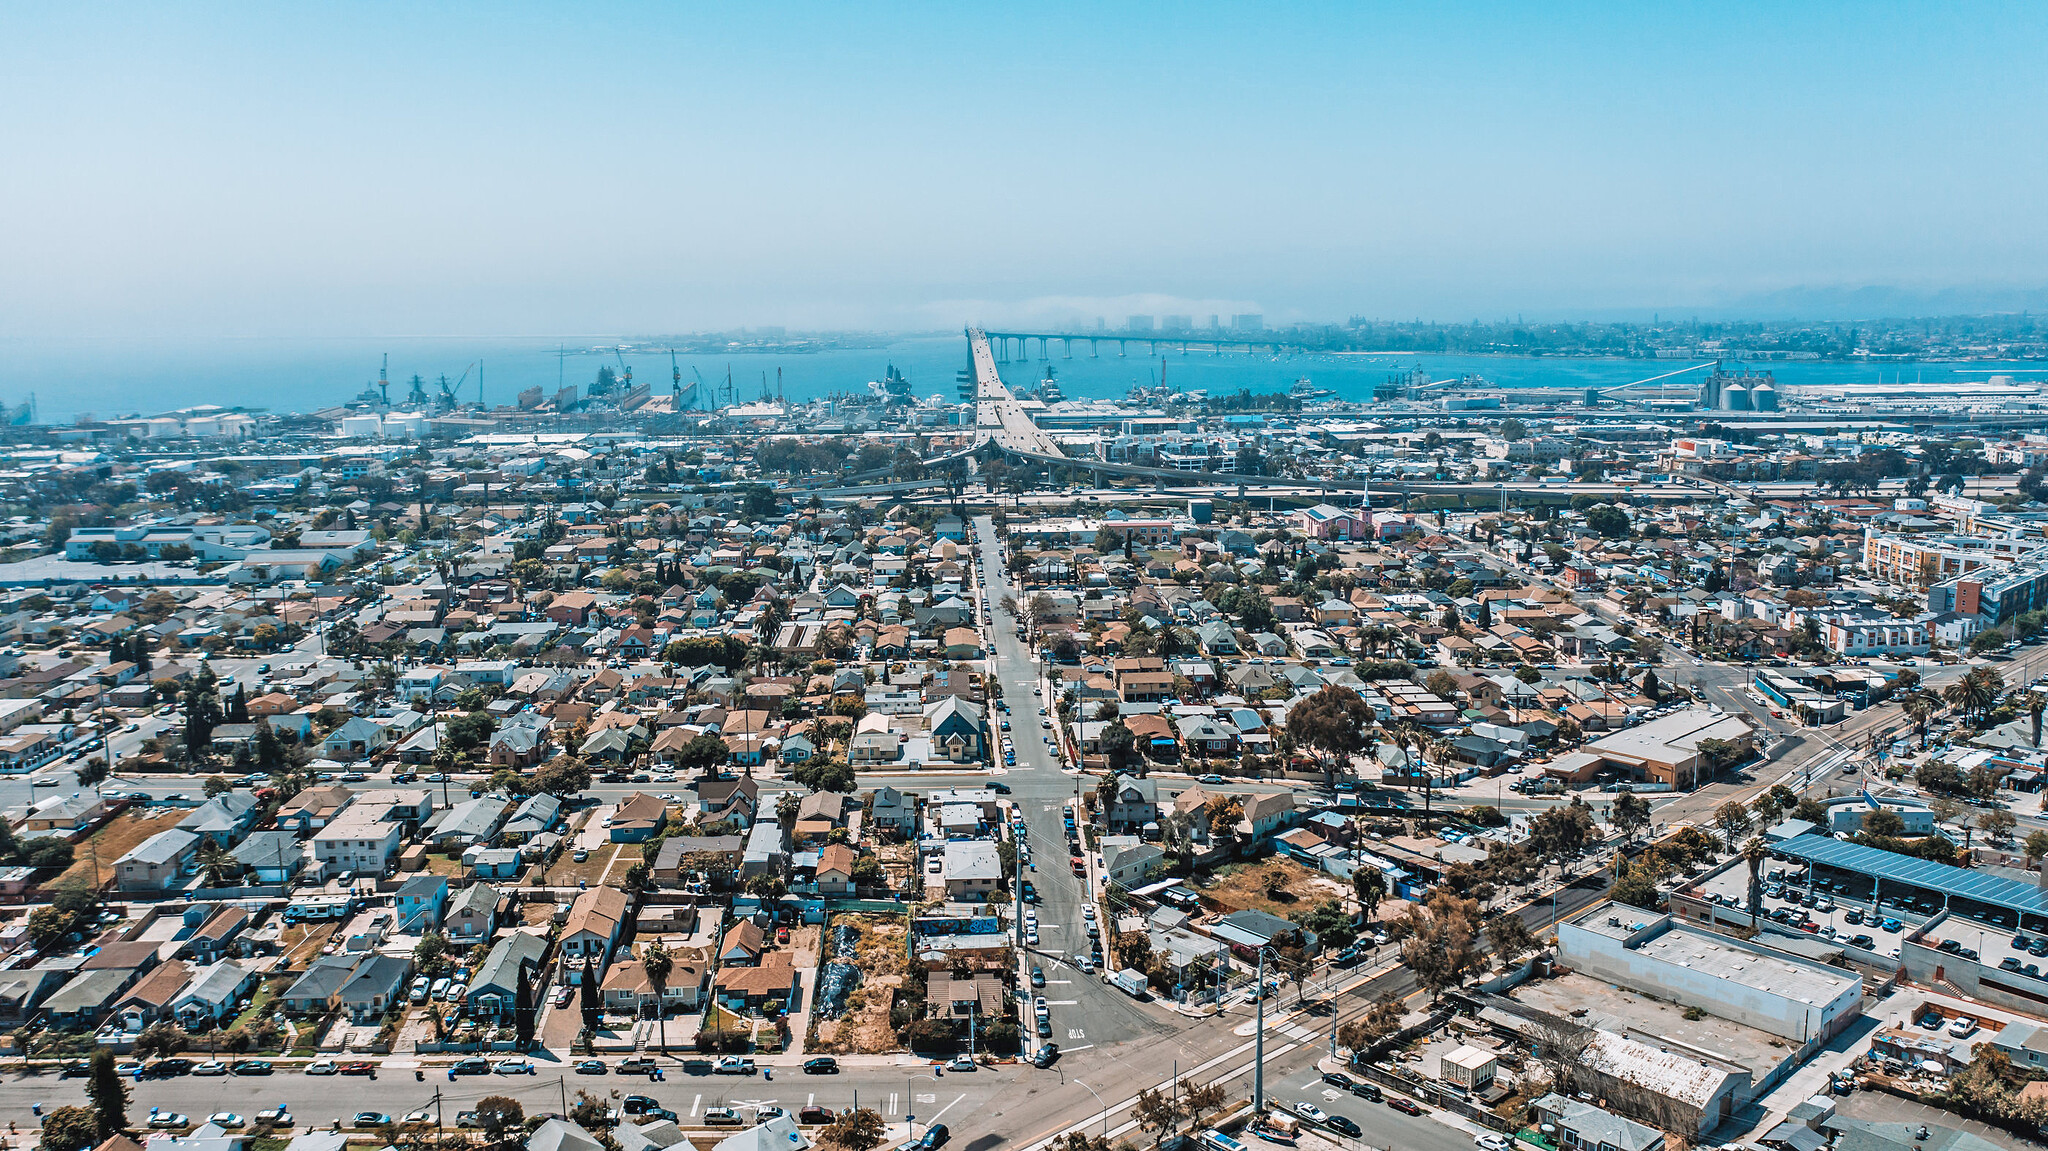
{"x": 1048, "y": 389}
{"x": 1303, "y": 389}
{"x": 892, "y": 388}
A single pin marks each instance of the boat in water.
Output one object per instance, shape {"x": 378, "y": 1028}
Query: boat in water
{"x": 892, "y": 388}
{"x": 1048, "y": 389}
{"x": 1304, "y": 389}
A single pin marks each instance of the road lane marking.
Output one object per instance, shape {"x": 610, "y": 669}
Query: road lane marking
{"x": 694, "y": 1104}
{"x": 949, "y": 1106}
{"x": 892, "y": 1103}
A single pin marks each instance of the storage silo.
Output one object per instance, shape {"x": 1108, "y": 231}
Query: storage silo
{"x": 1734, "y": 396}
{"x": 1763, "y": 397}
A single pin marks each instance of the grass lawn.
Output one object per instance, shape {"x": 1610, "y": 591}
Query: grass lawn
{"x": 111, "y": 842}
{"x": 567, "y": 872}
{"x": 259, "y": 1004}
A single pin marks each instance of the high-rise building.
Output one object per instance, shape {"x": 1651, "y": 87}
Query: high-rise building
{"x": 1138, "y": 324}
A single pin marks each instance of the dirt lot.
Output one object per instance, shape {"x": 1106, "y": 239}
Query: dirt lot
{"x": 536, "y": 914}
{"x": 864, "y": 1029}
{"x": 303, "y": 941}
{"x": 899, "y": 863}
{"x": 111, "y": 842}
{"x": 1279, "y": 886}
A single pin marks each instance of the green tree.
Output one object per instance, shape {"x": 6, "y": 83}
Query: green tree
{"x": 109, "y": 1096}
{"x": 656, "y": 964}
{"x": 217, "y": 785}
{"x": 500, "y": 1117}
{"x": 1630, "y": 814}
{"x": 70, "y": 1129}
{"x": 1369, "y": 887}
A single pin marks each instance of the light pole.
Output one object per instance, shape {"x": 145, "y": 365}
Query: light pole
{"x": 1099, "y": 1103}
{"x": 910, "y": 1101}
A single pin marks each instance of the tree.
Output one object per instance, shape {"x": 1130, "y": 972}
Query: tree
{"x": 217, "y": 785}
{"x": 656, "y": 964}
{"x": 430, "y": 955}
{"x": 522, "y": 1008}
{"x": 591, "y": 1009}
{"x": 108, "y": 1094}
{"x": 1156, "y": 1112}
{"x": 1202, "y": 1099}
{"x": 161, "y": 1039}
{"x": 500, "y": 1117}
{"x": 703, "y": 754}
{"x": 1651, "y": 686}
{"x": 1510, "y": 938}
{"x": 1369, "y": 887}
{"x": 1443, "y": 941}
{"x": 1733, "y": 818}
{"x": 2036, "y": 846}
{"x": 1380, "y": 1020}
{"x": 857, "y": 1130}
{"x": 1609, "y": 521}
{"x": 1921, "y": 707}
{"x": 1649, "y": 649}
{"x": 1630, "y": 814}
{"x": 1996, "y": 823}
{"x": 1333, "y": 722}
{"x": 1754, "y": 853}
{"x": 217, "y": 864}
{"x": 70, "y": 1129}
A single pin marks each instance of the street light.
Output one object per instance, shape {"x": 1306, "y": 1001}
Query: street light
{"x": 1099, "y": 1103}
{"x": 910, "y": 1102}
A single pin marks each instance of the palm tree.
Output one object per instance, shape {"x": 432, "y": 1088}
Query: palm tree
{"x": 1976, "y": 693}
{"x": 656, "y": 964}
{"x": 1754, "y": 853}
{"x": 1921, "y": 707}
{"x": 215, "y": 863}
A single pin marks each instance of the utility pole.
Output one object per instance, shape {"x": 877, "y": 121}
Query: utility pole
{"x": 1259, "y": 1039}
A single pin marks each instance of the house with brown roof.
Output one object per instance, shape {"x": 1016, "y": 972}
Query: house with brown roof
{"x": 770, "y": 986}
{"x": 639, "y": 819}
{"x": 742, "y": 945}
{"x": 313, "y": 808}
{"x": 835, "y": 869}
{"x": 150, "y": 999}
{"x": 593, "y": 925}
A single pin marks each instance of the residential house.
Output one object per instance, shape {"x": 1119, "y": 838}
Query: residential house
{"x": 420, "y": 901}
{"x": 640, "y": 818}
{"x": 158, "y": 863}
{"x": 214, "y": 991}
{"x": 473, "y": 913}
{"x": 376, "y": 984}
{"x": 593, "y": 925}
{"x": 495, "y": 988}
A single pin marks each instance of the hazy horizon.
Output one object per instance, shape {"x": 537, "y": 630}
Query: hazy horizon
{"x": 217, "y": 170}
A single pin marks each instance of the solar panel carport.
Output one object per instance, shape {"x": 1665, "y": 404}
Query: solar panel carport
{"x": 1892, "y": 872}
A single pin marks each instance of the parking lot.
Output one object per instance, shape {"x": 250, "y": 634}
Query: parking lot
{"x": 1821, "y": 911}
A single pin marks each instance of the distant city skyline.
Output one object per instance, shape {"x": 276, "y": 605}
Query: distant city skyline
{"x": 250, "y": 170}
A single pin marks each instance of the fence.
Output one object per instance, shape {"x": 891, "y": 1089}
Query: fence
{"x": 1426, "y": 1090}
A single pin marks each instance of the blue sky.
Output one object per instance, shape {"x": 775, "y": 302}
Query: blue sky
{"x": 347, "y": 169}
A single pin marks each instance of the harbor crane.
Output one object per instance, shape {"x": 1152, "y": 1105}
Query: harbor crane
{"x": 625, "y": 369}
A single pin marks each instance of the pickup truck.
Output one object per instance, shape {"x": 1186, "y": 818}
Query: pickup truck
{"x": 733, "y": 1065}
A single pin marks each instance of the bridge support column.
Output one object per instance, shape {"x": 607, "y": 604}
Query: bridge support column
{"x": 1066, "y": 349}
{"x": 1121, "y": 349}
{"x": 1093, "y": 351}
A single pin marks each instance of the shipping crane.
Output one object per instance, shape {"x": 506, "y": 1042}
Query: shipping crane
{"x": 417, "y": 398}
{"x": 448, "y": 394}
{"x": 625, "y": 370}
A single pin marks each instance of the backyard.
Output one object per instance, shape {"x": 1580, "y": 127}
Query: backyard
{"x": 120, "y": 836}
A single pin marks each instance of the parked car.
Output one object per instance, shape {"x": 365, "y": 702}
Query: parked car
{"x": 822, "y": 1065}
{"x": 253, "y": 1067}
{"x": 211, "y": 1067}
{"x": 591, "y": 1067}
{"x": 165, "y": 1120}
{"x": 1047, "y": 1052}
{"x": 1406, "y": 1106}
{"x": 514, "y": 1066}
{"x": 322, "y": 1067}
{"x": 276, "y": 1116}
{"x": 1344, "y": 1124}
{"x": 370, "y": 1119}
{"x": 227, "y": 1120}
{"x": 732, "y": 1065}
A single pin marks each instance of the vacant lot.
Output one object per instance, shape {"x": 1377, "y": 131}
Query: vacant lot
{"x": 864, "y": 1029}
{"x": 1279, "y": 886}
{"x": 566, "y": 872}
{"x": 110, "y": 843}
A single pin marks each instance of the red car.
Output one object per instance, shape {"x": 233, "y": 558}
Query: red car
{"x": 1405, "y": 1106}
{"x": 358, "y": 1069}
{"x": 782, "y": 935}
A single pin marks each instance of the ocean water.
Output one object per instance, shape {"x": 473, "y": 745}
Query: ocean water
{"x": 74, "y": 378}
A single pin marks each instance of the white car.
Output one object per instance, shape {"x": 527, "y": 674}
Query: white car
{"x": 513, "y": 1066}
{"x": 323, "y": 1067}
{"x": 423, "y": 1115}
{"x": 163, "y": 1120}
{"x": 1087, "y": 911}
{"x": 1962, "y": 1026}
{"x": 1310, "y": 1112}
{"x": 1491, "y": 1141}
{"x": 211, "y": 1067}
{"x": 227, "y": 1120}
